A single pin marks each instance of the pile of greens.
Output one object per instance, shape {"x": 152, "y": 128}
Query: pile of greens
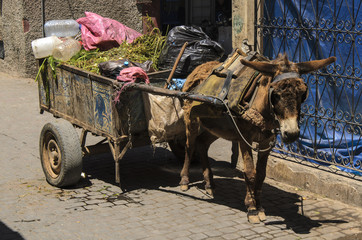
{"x": 143, "y": 48}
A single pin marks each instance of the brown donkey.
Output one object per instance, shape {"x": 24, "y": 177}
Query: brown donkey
{"x": 278, "y": 99}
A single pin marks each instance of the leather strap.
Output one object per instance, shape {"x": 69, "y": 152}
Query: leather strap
{"x": 225, "y": 89}
{"x": 286, "y": 76}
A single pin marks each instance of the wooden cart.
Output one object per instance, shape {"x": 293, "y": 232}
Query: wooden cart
{"x": 85, "y": 100}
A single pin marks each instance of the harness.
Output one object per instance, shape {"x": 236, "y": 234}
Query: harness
{"x": 233, "y": 84}
{"x": 255, "y": 146}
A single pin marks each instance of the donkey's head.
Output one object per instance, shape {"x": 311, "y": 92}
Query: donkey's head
{"x": 287, "y": 91}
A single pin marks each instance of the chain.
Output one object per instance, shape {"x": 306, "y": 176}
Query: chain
{"x": 129, "y": 125}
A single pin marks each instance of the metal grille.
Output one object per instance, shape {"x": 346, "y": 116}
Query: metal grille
{"x": 331, "y": 120}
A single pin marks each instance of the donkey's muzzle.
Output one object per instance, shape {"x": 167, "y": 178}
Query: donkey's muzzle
{"x": 289, "y": 137}
{"x": 289, "y": 130}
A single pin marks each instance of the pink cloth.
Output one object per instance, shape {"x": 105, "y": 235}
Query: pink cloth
{"x": 104, "y": 33}
{"x": 131, "y": 75}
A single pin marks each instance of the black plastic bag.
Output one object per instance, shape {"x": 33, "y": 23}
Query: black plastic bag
{"x": 200, "y": 49}
{"x": 112, "y": 69}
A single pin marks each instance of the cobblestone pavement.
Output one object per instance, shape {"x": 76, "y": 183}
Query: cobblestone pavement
{"x": 152, "y": 206}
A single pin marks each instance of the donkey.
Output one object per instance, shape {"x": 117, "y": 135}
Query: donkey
{"x": 278, "y": 100}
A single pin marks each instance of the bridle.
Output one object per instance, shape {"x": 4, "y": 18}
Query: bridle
{"x": 278, "y": 78}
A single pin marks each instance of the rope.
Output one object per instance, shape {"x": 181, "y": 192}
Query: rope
{"x": 272, "y": 144}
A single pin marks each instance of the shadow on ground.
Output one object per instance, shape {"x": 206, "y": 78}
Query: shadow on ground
{"x": 158, "y": 169}
{"x": 7, "y": 233}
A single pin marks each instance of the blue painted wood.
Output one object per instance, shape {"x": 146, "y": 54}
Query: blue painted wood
{"x": 102, "y": 106}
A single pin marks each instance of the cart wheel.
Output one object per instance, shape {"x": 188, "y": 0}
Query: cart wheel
{"x": 60, "y": 153}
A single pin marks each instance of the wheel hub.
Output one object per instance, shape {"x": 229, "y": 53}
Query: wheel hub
{"x": 53, "y": 158}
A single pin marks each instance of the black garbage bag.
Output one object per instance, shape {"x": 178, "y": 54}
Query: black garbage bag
{"x": 112, "y": 69}
{"x": 200, "y": 49}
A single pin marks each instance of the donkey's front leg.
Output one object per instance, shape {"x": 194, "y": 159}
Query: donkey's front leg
{"x": 249, "y": 175}
{"x": 259, "y": 179}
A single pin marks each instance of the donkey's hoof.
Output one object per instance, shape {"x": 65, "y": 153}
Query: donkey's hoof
{"x": 184, "y": 187}
{"x": 209, "y": 191}
{"x": 253, "y": 216}
{"x": 253, "y": 219}
{"x": 261, "y": 214}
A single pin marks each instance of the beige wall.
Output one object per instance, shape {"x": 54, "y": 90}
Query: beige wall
{"x": 19, "y": 59}
{"x": 243, "y": 15}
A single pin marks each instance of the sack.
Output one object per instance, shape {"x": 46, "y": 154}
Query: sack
{"x": 164, "y": 116}
{"x": 104, "y": 33}
{"x": 200, "y": 49}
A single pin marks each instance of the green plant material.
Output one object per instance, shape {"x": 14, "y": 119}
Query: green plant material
{"x": 143, "y": 48}
{"x": 53, "y": 64}
{"x": 40, "y": 70}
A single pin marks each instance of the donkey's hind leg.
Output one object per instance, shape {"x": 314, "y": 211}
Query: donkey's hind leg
{"x": 203, "y": 142}
{"x": 192, "y": 129}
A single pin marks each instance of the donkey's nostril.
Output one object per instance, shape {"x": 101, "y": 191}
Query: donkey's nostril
{"x": 290, "y": 137}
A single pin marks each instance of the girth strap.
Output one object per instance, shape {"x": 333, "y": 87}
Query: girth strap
{"x": 225, "y": 89}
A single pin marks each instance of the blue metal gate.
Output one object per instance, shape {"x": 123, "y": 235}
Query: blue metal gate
{"x": 331, "y": 126}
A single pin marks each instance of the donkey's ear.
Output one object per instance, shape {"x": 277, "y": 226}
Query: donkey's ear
{"x": 306, "y": 67}
{"x": 263, "y": 67}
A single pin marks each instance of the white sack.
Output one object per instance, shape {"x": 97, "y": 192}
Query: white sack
{"x": 164, "y": 116}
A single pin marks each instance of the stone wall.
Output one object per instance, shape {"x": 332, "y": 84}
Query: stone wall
{"x": 21, "y": 23}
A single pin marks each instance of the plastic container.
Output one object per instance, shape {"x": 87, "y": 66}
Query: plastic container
{"x": 66, "y": 49}
{"x": 43, "y": 47}
{"x": 61, "y": 28}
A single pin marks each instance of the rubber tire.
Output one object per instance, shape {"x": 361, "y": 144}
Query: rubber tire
{"x": 62, "y": 134}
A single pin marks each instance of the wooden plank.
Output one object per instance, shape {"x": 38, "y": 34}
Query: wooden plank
{"x": 82, "y": 99}
{"x": 51, "y": 82}
{"x": 102, "y": 109}
{"x": 62, "y": 92}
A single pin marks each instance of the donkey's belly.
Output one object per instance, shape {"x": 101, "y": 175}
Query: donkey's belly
{"x": 221, "y": 127}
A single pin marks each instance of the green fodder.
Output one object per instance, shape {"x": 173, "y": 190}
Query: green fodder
{"x": 143, "y": 48}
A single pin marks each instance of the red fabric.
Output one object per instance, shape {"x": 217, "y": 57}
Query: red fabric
{"x": 131, "y": 75}
{"x": 104, "y": 33}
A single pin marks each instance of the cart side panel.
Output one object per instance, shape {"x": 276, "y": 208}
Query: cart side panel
{"x": 42, "y": 94}
{"x": 131, "y": 113}
{"x": 62, "y": 90}
{"x": 51, "y": 81}
{"x": 46, "y": 95}
{"x": 82, "y": 99}
{"x": 43, "y": 86}
{"x": 102, "y": 108}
